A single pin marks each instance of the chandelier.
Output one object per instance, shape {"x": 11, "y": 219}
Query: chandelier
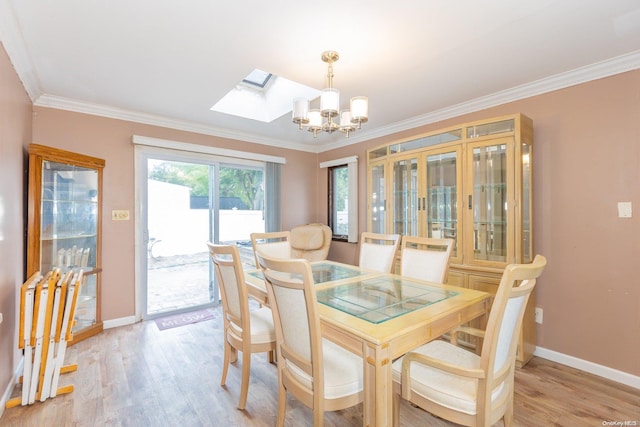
{"x": 325, "y": 119}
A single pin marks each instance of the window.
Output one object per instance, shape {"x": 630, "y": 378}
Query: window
{"x": 339, "y": 202}
{"x": 343, "y": 198}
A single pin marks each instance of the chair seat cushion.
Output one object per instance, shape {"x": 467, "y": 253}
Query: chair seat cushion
{"x": 343, "y": 372}
{"x": 262, "y": 330}
{"x": 452, "y": 391}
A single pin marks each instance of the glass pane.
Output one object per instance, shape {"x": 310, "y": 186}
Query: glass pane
{"x": 378, "y": 152}
{"x": 324, "y": 272}
{"x": 405, "y": 197}
{"x": 490, "y": 203}
{"x": 490, "y": 128}
{"x": 427, "y": 141}
{"x": 442, "y": 196}
{"x": 377, "y": 199}
{"x": 184, "y": 212}
{"x": 339, "y": 189}
{"x": 69, "y": 216}
{"x": 382, "y": 298}
{"x": 527, "y": 255}
{"x": 87, "y": 303}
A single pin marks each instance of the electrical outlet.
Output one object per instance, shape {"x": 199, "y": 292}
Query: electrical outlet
{"x": 120, "y": 215}
{"x": 538, "y": 315}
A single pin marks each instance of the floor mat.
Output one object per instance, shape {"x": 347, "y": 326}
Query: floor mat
{"x": 182, "y": 319}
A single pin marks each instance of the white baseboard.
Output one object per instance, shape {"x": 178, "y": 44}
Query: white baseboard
{"x": 592, "y": 368}
{"x": 7, "y": 392}
{"x": 122, "y": 321}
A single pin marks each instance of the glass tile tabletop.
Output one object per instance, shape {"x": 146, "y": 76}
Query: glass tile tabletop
{"x": 381, "y": 298}
{"x": 326, "y": 272}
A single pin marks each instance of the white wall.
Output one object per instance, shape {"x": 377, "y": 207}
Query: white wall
{"x": 182, "y": 230}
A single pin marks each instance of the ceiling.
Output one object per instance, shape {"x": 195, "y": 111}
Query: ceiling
{"x": 166, "y": 62}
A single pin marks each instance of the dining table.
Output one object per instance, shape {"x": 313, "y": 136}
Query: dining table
{"x": 380, "y": 317}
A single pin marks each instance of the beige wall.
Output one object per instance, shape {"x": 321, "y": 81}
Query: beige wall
{"x": 15, "y": 133}
{"x": 110, "y": 139}
{"x": 586, "y": 160}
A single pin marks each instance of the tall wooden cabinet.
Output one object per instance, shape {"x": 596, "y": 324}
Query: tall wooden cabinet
{"x": 64, "y": 225}
{"x": 471, "y": 183}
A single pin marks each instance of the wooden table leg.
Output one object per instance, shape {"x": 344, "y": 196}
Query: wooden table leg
{"x": 378, "y": 392}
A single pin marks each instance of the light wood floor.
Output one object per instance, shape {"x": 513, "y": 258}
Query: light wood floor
{"x": 138, "y": 375}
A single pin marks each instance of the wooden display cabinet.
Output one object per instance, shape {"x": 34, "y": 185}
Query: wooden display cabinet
{"x": 64, "y": 225}
{"x": 472, "y": 183}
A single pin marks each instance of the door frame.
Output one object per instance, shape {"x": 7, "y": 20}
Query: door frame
{"x": 142, "y": 154}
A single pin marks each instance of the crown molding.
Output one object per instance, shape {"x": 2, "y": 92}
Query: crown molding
{"x": 68, "y": 104}
{"x": 13, "y": 43}
{"x": 610, "y": 67}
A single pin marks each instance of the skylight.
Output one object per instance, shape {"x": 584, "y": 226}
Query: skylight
{"x": 263, "y": 96}
{"x": 257, "y": 78}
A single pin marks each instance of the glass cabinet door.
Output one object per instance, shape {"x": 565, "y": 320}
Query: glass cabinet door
{"x": 405, "y": 197}
{"x": 489, "y": 200}
{"x": 64, "y": 225}
{"x": 443, "y": 179}
{"x": 69, "y": 230}
{"x": 69, "y": 217}
{"x": 527, "y": 208}
{"x": 377, "y": 198}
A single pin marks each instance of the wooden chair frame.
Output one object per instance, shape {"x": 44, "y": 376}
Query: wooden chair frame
{"x": 441, "y": 247}
{"x": 272, "y": 243}
{"x": 368, "y": 243}
{"x": 236, "y": 315}
{"x": 296, "y": 275}
{"x": 517, "y": 283}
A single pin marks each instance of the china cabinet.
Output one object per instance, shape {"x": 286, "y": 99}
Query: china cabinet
{"x": 471, "y": 183}
{"x": 64, "y": 224}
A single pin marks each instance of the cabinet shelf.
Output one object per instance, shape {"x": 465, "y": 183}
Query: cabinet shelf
{"x": 68, "y": 237}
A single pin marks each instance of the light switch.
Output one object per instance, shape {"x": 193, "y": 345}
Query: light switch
{"x": 624, "y": 209}
{"x": 120, "y": 215}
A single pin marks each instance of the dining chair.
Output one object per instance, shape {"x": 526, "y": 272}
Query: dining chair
{"x": 276, "y": 244}
{"x": 378, "y": 251}
{"x": 461, "y": 386}
{"x": 311, "y": 241}
{"x": 247, "y": 331}
{"x": 319, "y": 373}
{"x": 425, "y": 258}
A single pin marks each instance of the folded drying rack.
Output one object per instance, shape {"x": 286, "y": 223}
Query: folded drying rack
{"x": 47, "y": 311}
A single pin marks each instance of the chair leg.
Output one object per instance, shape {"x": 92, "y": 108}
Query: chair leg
{"x": 508, "y": 415}
{"x": 233, "y": 355}
{"x": 225, "y": 362}
{"x": 318, "y": 417}
{"x": 282, "y": 404}
{"x": 244, "y": 387}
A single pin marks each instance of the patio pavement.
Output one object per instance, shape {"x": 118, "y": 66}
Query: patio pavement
{"x": 182, "y": 281}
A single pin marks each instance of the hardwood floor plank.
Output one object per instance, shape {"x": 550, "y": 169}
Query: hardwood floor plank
{"x": 137, "y": 375}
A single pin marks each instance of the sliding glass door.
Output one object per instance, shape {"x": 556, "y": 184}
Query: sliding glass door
{"x": 191, "y": 200}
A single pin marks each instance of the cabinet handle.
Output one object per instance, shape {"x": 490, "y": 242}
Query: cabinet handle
{"x": 470, "y": 202}
{"x": 424, "y": 203}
